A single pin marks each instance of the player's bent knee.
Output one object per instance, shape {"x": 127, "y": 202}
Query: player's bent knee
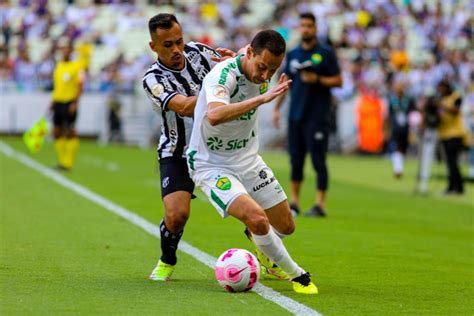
{"x": 288, "y": 228}
{"x": 258, "y": 224}
{"x": 176, "y": 219}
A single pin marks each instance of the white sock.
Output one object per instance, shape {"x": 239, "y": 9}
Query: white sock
{"x": 272, "y": 246}
{"x": 278, "y": 233}
{"x": 397, "y": 162}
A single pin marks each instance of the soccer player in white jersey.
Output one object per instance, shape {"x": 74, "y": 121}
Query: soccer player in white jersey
{"x": 223, "y": 155}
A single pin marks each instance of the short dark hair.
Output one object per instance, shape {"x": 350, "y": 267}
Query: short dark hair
{"x": 268, "y": 39}
{"x": 162, "y": 21}
{"x": 308, "y": 15}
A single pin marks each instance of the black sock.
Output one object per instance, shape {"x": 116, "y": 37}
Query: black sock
{"x": 169, "y": 244}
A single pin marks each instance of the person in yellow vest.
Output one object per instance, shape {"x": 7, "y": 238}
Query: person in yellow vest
{"x": 68, "y": 80}
{"x": 451, "y": 132}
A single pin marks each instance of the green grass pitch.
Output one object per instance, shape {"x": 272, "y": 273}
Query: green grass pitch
{"x": 381, "y": 251}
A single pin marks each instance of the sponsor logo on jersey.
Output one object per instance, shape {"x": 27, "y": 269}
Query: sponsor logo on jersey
{"x": 263, "y": 184}
{"x": 223, "y": 183}
{"x": 194, "y": 88}
{"x": 193, "y": 57}
{"x": 225, "y": 72}
{"x": 214, "y": 143}
{"x": 247, "y": 116}
{"x": 263, "y": 87}
{"x": 263, "y": 174}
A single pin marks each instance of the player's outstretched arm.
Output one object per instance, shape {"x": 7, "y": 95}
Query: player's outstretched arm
{"x": 219, "y": 112}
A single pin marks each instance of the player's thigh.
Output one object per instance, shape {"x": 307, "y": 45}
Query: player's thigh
{"x": 245, "y": 209}
{"x": 221, "y": 187}
{"x": 174, "y": 176}
{"x": 280, "y": 218}
{"x": 262, "y": 185}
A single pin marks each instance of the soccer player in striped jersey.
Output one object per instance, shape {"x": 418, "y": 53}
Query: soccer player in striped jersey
{"x": 173, "y": 83}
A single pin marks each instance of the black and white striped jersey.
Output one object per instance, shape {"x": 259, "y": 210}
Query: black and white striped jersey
{"x": 162, "y": 84}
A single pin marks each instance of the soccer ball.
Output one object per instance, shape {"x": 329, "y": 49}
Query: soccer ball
{"x": 237, "y": 270}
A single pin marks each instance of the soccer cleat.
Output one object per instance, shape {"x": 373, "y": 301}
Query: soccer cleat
{"x": 303, "y": 284}
{"x": 268, "y": 268}
{"x": 315, "y": 211}
{"x": 162, "y": 272}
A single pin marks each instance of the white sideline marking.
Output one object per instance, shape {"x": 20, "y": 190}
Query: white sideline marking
{"x": 266, "y": 292}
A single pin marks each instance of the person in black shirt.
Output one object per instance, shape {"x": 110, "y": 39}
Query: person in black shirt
{"x": 314, "y": 69}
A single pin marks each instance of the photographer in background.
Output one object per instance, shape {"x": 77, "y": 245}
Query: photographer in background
{"x": 451, "y": 133}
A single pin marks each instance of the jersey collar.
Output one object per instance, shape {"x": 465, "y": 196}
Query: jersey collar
{"x": 239, "y": 64}
{"x": 173, "y": 70}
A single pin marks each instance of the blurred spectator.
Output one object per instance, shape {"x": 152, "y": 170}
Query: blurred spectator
{"x": 451, "y": 132}
{"x": 115, "y": 122}
{"x": 399, "y": 107}
{"x": 427, "y": 41}
{"x": 24, "y": 71}
{"x": 429, "y": 140}
{"x": 369, "y": 112}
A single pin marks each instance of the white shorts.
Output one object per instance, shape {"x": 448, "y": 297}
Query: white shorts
{"x": 222, "y": 185}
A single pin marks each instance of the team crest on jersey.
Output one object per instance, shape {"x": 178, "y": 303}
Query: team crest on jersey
{"x": 157, "y": 90}
{"x": 316, "y": 58}
{"x": 223, "y": 183}
{"x": 220, "y": 92}
{"x": 263, "y": 87}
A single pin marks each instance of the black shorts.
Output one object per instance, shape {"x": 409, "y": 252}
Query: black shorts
{"x": 400, "y": 140}
{"x": 174, "y": 176}
{"x": 62, "y": 117}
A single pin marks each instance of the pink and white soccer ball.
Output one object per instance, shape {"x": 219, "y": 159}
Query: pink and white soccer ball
{"x": 237, "y": 270}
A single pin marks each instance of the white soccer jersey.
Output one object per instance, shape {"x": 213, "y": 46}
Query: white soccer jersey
{"x": 232, "y": 144}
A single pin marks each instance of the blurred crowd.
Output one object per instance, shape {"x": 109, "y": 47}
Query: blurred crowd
{"x": 377, "y": 41}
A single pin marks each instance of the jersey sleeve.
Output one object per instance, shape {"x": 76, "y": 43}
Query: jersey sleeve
{"x": 207, "y": 52}
{"x": 219, "y": 84}
{"x": 158, "y": 90}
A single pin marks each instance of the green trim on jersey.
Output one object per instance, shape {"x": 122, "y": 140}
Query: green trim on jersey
{"x": 239, "y": 64}
{"x": 225, "y": 73}
{"x": 218, "y": 201}
{"x": 235, "y": 91}
{"x": 191, "y": 159}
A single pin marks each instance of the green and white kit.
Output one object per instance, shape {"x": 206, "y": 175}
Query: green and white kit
{"x": 223, "y": 160}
